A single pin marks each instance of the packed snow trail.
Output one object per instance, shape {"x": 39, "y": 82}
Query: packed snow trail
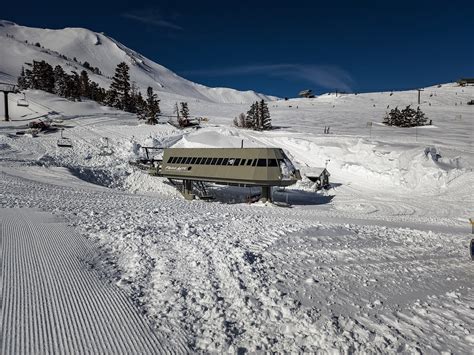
{"x": 53, "y": 302}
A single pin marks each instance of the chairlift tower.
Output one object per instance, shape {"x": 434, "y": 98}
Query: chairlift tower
{"x": 7, "y": 88}
{"x": 419, "y": 95}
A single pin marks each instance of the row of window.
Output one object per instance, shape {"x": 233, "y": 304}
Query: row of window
{"x": 223, "y": 161}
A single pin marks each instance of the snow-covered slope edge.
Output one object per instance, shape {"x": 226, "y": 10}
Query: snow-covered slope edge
{"x": 18, "y": 45}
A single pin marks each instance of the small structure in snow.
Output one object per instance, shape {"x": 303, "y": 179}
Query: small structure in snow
{"x": 320, "y": 176}
{"x": 307, "y": 94}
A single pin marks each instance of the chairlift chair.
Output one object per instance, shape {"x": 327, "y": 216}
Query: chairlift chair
{"x": 23, "y": 102}
{"x": 105, "y": 150}
{"x": 64, "y": 142}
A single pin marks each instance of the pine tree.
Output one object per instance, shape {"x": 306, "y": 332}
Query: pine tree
{"x": 121, "y": 87}
{"x": 184, "y": 110}
{"x": 264, "y": 115}
{"x": 420, "y": 119}
{"x": 111, "y": 98}
{"x": 141, "y": 106}
{"x": 23, "y": 82}
{"x": 176, "y": 111}
{"x": 60, "y": 81}
{"x": 74, "y": 86}
{"x": 85, "y": 88}
{"x": 252, "y": 116}
{"x": 407, "y": 117}
{"x": 42, "y": 77}
{"x": 152, "y": 106}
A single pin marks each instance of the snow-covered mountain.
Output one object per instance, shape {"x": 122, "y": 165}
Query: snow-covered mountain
{"x": 20, "y": 44}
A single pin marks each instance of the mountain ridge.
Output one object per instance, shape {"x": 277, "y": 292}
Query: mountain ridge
{"x": 62, "y": 46}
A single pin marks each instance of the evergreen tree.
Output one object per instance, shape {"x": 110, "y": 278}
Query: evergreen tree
{"x": 420, "y": 119}
{"x": 407, "y": 117}
{"x": 141, "y": 106}
{"x": 264, "y": 116}
{"x": 152, "y": 106}
{"x": 252, "y": 116}
{"x": 179, "y": 119}
{"x": 111, "y": 98}
{"x": 74, "y": 86}
{"x": 23, "y": 82}
{"x": 97, "y": 93}
{"x": 42, "y": 76}
{"x": 85, "y": 85}
{"x": 121, "y": 87}
{"x": 60, "y": 81}
{"x": 184, "y": 111}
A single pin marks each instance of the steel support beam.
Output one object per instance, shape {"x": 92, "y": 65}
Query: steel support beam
{"x": 5, "y": 97}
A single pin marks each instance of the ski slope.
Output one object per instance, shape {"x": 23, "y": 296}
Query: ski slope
{"x": 103, "y": 52}
{"x": 53, "y": 301}
{"x": 377, "y": 264}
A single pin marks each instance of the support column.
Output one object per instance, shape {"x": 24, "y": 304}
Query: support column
{"x": 5, "y": 97}
{"x": 188, "y": 190}
{"x": 266, "y": 194}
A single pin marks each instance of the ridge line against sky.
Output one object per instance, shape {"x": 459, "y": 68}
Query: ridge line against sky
{"x": 277, "y": 49}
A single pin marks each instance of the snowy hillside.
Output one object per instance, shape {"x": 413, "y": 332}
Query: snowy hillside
{"x": 104, "y": 53}
{"x": 377, "y": 264}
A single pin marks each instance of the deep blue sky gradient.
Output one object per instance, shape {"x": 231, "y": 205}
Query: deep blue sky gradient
{"x": 281, "y": 47}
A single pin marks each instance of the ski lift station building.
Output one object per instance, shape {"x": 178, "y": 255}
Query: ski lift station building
{"x": 264, "y": 167}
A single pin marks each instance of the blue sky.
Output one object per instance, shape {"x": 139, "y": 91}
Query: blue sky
{"x": 281, "y": 47}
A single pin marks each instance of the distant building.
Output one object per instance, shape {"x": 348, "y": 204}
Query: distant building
{"x": 307, "y": 94}
{"x": 466, "y": 81}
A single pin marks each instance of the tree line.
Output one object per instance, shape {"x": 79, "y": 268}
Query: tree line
{"x": 121, "y": 94}
{"x": 257, "y": 117}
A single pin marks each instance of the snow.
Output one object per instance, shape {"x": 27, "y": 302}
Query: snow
{"x": 379, "y": 263}
{"x": 105, "y": 53}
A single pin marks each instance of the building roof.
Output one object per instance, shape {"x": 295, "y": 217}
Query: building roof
{"x": 317, "y": 171}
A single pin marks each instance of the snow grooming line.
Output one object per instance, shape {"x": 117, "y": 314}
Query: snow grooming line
{"x": 263, "y": 167}
{"x": 55, "y": 303}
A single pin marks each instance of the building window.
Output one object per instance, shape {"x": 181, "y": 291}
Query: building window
{"x": 225, "y": 161}
{"x": 214, "y": 161}
{"x": 193, "y": 160}
{"x": 198, "y": 161}
{"x": 242, "y": 162}
{"x": 272, "y": 162}
{"x": 254, "y": 162}
{"x": 180, "y": 160}
{"x": 237, "y": 162}
{"x": 219, "y": 161}
{"x": 208, "y": 161}
{"x": 188, "y": 160}
{"x": 249, "y": 162}
{"x": 170, "y": 159}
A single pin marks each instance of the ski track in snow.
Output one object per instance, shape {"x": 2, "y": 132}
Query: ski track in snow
{"x": 53, "y": 302}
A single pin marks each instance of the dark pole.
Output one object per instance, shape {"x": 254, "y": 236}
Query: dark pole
{"x": 5, "y": 96}
{"x": 419, "y": 95}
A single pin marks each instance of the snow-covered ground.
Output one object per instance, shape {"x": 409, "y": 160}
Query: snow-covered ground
{"x": 379, "y": 263}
